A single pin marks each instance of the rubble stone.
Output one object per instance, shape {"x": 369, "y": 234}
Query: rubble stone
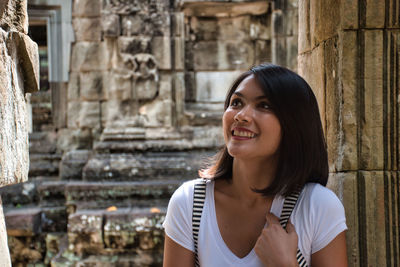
{"x": 127, "y": 228}
{"x": 53, "y": 245}
{"x": 85, "y": 232}
{"x": 26, "y": 250}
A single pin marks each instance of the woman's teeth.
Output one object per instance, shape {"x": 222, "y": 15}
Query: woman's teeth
{"x": 243, "y": 133}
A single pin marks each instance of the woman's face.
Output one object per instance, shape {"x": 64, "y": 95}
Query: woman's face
{"x": 251, "y": 129}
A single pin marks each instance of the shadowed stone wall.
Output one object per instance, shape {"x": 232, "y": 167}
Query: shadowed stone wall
{"x": 349, "y": 53}
{"x": 18, "y": 76}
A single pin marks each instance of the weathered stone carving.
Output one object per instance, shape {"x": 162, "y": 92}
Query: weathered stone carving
{"x": 144, "y": 76}
{"x": 122, "y": 6}
{"x": 110, "y": 25}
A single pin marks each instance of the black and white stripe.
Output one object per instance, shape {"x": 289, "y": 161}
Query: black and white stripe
{"x": 288, "y": 206}
{"x": 199, "y": 196}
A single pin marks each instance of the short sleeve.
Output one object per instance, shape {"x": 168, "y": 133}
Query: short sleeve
{"x": 178, "y": 220}
{"x": 328, "y": 217}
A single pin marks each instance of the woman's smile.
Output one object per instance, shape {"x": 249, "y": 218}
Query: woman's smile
{"x": 242, "y": 134}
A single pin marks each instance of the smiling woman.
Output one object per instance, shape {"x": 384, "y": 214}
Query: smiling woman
{"x": 274, "y": 155}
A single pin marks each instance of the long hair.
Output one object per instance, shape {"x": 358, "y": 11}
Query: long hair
{"x": 302, "y": 152}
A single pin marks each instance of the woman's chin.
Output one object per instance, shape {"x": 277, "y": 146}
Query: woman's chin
{"x": 239, "y": 153}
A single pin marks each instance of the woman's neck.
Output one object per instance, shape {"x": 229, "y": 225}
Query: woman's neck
{"x": 251, "y": 174}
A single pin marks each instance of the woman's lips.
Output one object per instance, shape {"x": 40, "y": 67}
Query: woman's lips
{"x": 242, "y": 133}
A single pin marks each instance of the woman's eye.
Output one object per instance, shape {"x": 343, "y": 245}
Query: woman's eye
{"x": 236, "y": 102}
{"x": 264, "y": 105}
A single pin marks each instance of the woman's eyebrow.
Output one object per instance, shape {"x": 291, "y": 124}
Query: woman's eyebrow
{"x": 261, "y": 97}
{"x": 256, "y": 98}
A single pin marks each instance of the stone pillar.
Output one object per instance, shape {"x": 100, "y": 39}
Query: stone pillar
{"x": 19, "y": 66}
{"x": 349, "y": 53}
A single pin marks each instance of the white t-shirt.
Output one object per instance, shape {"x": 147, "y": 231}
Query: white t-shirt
{"x": 318, "y": 218}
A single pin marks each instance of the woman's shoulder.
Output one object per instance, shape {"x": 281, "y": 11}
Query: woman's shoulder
{"x": 322, "y": 215}
{"x": 185, "y": 190}
{"x": 316, "y": 192}
{"x": 320, "y": 199}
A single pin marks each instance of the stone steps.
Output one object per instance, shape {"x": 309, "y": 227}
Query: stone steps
{"x": 42, "y": 142}
{"x": 44, "y": 164}
{"x": 180, "y": 165}
{"x": 100, "y": 195}
{"x": 134, "y": 234}
{"x": 43, "y": 156}
{"x": 120, "y": 230}
{"x": 56, "y": 199}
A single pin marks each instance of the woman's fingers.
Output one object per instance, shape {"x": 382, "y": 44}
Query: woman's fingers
{"x": 275, "y": 246}
{"x": 290, "y": 228}
{"x": 271, "y": 219}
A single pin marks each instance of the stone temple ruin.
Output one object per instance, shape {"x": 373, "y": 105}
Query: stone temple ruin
{"x": 130, "y": 106}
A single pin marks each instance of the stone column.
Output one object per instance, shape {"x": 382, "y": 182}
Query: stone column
{"x": 349, "y": 53}
{"x": 19, "y": 74}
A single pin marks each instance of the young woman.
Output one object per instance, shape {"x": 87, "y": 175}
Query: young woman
{"x": 274, "y": 144}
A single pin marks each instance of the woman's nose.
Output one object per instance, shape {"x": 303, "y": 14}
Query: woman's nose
{"x": 244, "y": 115}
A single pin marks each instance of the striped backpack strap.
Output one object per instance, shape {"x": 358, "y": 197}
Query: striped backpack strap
{"x": 288, "y": 206}
{"x": 199, "y": 196}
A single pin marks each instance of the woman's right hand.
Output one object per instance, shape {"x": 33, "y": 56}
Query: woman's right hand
{"x": 277, "y": 247}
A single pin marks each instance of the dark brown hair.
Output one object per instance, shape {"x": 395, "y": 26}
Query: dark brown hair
{"x": 302, "y": 152}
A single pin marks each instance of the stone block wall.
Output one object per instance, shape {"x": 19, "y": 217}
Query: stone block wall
{"x": 349, "y": 53}
{"x": 19, "y": 68}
